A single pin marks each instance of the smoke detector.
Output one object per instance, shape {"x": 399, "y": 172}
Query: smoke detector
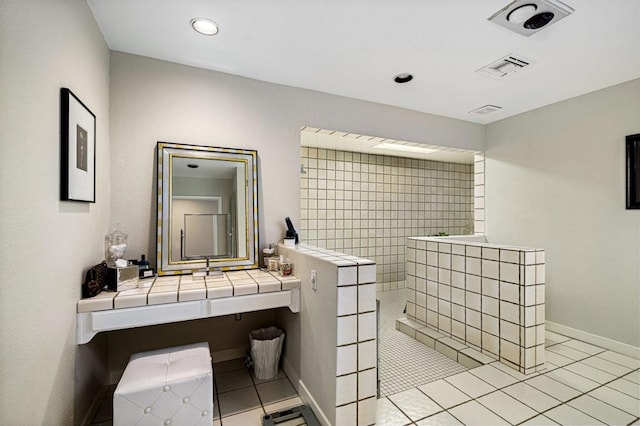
{"x": 527, "y": 17}
{"x": 504, "y": 66}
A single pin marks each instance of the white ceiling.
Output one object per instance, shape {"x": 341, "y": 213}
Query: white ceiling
{"x": 354, "y": 48}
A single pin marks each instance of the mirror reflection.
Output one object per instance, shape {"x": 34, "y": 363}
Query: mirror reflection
{"x": 207, "y": 213}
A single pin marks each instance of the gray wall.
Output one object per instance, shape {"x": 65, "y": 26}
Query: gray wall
{"x": 47, "y": 244}
{"x": 555, "y": 179}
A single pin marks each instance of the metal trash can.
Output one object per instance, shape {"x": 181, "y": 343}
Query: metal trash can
{"x": 266, "y": 347}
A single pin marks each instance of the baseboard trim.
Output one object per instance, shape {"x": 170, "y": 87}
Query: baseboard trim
{"x": 303, "y": 392}
{"x": 603, "y": 342}
{"x": 306, "y": 396}
{"x": 291, "y": 374}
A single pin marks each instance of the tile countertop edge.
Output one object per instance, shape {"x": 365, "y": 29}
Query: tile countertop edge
{"x": 106, "y": 300}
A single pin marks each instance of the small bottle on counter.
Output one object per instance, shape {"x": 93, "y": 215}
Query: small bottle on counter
{"x": 286, "y": 267}
{"x": 143, "y": 267}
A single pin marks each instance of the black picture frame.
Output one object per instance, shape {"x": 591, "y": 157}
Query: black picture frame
{"x": 633, "y": 171}
{"x": 77, "y": 149}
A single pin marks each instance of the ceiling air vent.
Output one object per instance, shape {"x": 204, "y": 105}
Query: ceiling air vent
{"x": 487, "y": 109}
{"x": 504, "y": 66}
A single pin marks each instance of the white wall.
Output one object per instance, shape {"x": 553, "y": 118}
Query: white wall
{"x": 153, "y": 100}
{"x": 555, "y": 179}
{"x": 47, "y": 244}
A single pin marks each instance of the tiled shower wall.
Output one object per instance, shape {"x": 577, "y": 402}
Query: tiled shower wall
{"x": 367, "y": 205}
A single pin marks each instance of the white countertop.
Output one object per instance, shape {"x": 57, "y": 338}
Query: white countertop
{"x": 184, "y": 297}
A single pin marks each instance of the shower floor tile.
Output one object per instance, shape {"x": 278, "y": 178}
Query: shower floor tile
{"x": 405, "y": 363}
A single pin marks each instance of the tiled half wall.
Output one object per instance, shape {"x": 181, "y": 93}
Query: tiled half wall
{"x": 367, "y": 205}
{"x": 486, "y": 296}
{"x": 337, "y": 314}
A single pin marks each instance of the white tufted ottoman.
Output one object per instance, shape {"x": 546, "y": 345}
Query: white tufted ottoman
{"x": 172, "y": 386}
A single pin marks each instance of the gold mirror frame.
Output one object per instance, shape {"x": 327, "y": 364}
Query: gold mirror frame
{"x": 247, "y": 167}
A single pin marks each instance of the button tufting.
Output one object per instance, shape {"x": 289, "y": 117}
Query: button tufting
{"x": 148, "y": 401}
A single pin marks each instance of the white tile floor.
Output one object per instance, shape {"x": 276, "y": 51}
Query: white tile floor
{"x": 582, "y": 385}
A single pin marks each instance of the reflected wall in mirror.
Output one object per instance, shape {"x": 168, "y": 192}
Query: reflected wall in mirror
{"x": 207, "y": 208}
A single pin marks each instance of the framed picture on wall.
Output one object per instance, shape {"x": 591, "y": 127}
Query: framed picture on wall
{"x": 633, "y": 171}
{"x": 77, "y": 149}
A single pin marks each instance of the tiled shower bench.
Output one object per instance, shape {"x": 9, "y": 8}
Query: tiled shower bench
{"x": 175, "y": 298}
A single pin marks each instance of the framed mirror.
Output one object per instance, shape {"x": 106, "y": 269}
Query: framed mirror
{"x": 207, "y": 208}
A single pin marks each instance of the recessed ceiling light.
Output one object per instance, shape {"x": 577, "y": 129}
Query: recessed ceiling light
{"x": 204, "y": 26}
{"x": 404, "y": 77}
{"x": 407, "y": 148}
